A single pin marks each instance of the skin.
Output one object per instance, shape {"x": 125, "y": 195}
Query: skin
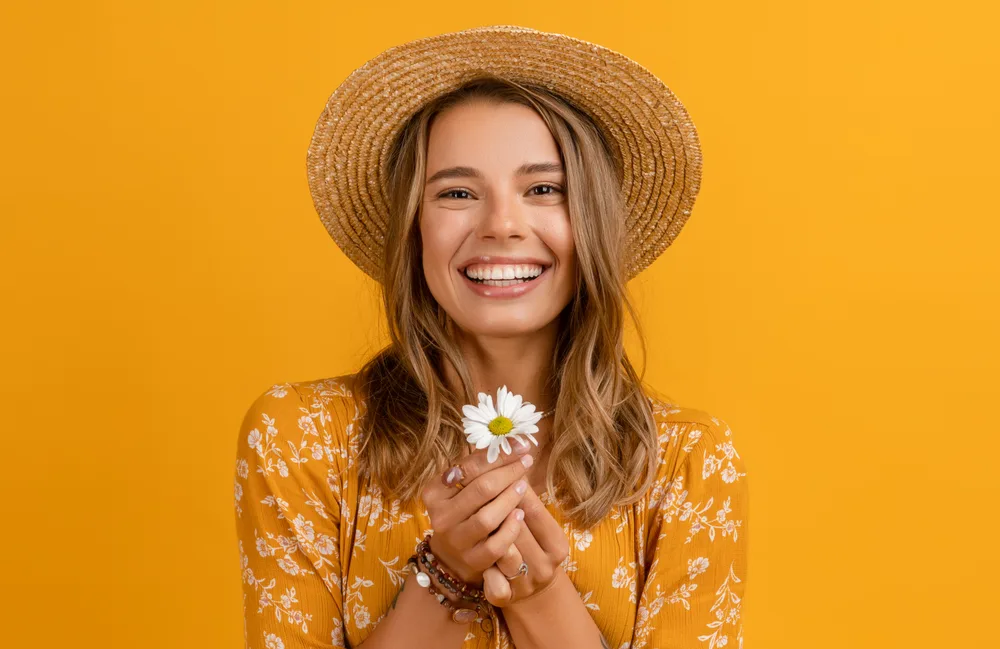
{"x": 505, "y": 342}
{"x": 500, "y": 211}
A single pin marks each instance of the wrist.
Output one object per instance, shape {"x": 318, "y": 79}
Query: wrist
{"x": 427, "y": 546}
{"x": 440, "y": 587}
{"x": 456, "y": 585}
{"x": 465, "y": 604}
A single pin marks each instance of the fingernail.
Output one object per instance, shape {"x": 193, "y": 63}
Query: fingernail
{"x": 519, "y": 514}
{"x": 452, "y": 475}
{"x": 527, "y": 461}
{"x": 521, "y": 446}
{"x": 521, "y": 486}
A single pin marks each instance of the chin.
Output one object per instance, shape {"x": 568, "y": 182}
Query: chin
{"x": 505, "y": 325}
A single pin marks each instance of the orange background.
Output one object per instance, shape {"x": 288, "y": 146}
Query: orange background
{"x": 834, "y": 297}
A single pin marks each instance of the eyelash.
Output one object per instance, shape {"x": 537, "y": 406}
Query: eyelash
{"x": 445, "y": 194}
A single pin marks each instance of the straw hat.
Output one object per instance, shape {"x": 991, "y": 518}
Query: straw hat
{"x": 648, "y": 128}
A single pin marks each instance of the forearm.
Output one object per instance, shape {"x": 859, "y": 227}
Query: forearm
{"x": 553, "y": 618}
{"x": 416, "y": 619}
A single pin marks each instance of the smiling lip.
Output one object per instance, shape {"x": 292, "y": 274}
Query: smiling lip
{"x": 515, "y": 290}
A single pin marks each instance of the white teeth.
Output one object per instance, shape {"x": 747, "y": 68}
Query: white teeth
{"x": 503, "y": 272}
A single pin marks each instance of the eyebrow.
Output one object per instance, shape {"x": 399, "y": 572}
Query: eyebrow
{"x": 471, "y": 172}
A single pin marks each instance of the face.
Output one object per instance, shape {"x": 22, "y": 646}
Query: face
{"x": 498, "y": 251}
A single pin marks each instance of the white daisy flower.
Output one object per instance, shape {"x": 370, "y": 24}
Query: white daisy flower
{"x": 489, "y": 426}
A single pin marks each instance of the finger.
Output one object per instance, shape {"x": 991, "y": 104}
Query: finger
{"x": 487, "y": 518}
{"x": 496, "y": 587}
{"x": 486, "y": 552}
{"x": 542, "y": 567}
{"x": 469, "y": 468}
{"x": 545, "y": 529}
{"x": 436, "y": 489}
{"x": 511, "y": 560}
{"x": 443, "y": 487}
{"x": 531, "y": 552}
{"x": 477, "y": 463}
{"x": 485, "y": 488}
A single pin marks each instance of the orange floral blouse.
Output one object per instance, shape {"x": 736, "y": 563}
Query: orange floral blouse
{"x": 323, "y": 554}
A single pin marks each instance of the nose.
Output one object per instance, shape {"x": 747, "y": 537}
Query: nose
{"x": 503, "y": 218}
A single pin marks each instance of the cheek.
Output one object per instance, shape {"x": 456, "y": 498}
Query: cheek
{"x": 439, "y": 246}
{"x": 560, "y": 241}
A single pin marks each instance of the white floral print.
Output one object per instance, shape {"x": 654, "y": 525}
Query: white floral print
{"x": 697, "y": 566}
{"x": 688, "y": 499}
{"x": 327, "y": 550}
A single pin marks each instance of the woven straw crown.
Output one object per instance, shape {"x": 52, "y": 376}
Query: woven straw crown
{"x": 648, "y": 128}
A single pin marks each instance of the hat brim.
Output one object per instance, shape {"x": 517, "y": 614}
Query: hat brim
{"x": 649, "y": 130}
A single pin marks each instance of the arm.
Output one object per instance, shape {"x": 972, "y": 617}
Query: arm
{"x": 416, "y": 619}
{"x": 291, "y": 461}
{"x": 289, "y": 537}
{"x": 555, "y": 617}
{"x": 697, "y": 546}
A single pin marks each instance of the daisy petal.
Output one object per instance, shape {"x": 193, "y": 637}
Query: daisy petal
{"x": 483, "y": 442}
{"x": 505, "y": 445}
{"x": 474, "y": 435}
{"x": 491, "y": 455}
{"x": 525, "y": 411}
{"x": 522, "y": 423}
{"x": 502, "y": 395}
{"x": 475, "y": 413}
{"x": 514, "y": 406}
{"x": 526, "y": 429}
{"x": 488, "y": 412}
{"x": 518, "y": 436}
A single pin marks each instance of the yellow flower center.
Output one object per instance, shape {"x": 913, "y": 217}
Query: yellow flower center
{"x": 501, "y": 426}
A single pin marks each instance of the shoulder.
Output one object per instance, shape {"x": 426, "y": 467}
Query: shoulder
{"x": 692, "y": 438}
{"x": 698, "y": 465}
{"x": 676, "y": 419}
{"x": 294, "y": 416}
{"x": 332, "y": 398}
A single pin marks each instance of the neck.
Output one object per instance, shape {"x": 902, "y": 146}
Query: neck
{"x": 522, "y": 363}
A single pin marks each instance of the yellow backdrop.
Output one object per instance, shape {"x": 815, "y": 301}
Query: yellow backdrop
{"x": 834, "y": 297}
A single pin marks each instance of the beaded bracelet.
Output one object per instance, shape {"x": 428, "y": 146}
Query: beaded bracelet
{"x": 458, "y": 614}
{"x": 455, "y": 585}
{"x": 459, "y": 588}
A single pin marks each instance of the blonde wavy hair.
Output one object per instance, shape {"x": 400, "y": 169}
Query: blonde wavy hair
{"x": 604, "y": 438}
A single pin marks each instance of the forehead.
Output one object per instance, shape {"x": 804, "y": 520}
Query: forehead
{"x": 491, "y": 135}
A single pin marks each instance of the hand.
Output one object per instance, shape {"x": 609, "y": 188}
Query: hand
{"x": 542, "y": 544}
{"x": 474, "y": 526}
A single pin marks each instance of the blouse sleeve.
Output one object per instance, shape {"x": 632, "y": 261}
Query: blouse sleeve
{"x": 288, "y": 523}
{"x": 696, "y": 550}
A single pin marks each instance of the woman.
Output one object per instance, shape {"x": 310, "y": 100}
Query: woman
{"x": 502, "y": 184}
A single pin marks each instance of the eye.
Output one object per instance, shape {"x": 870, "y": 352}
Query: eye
{"x": 453, "y": 191}
{"x": 546, "y": 185}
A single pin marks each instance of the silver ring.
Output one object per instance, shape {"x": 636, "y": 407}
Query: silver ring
{"x": 523, "y": 570}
